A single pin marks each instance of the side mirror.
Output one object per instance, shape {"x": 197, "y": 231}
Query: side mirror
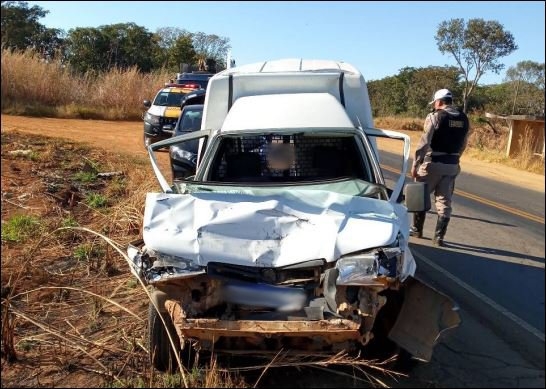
{"x": 417, "y": 197}
{"x": 147, "y": 103}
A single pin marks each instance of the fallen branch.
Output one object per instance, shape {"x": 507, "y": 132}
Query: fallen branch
{"x": 109, "y": 174}
{"x": 17, "y": 205}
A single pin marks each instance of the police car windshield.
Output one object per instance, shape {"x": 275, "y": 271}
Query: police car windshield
{"x": 168, "y": 99}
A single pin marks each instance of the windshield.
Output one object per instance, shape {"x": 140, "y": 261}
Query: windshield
{"x": 169, "y": 99}
{"x": 190, "y": 120}
{"x": 282, "y": 157}
{"x": 275, "y": 162}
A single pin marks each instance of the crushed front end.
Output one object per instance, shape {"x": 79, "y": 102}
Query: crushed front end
{"x": 305, "y": 270}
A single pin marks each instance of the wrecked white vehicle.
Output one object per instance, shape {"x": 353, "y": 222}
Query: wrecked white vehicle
{"x": 286, "y": 236}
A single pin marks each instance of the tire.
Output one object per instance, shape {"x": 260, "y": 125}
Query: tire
{"x": 147, "y": 141}
{"x": 381, "y": 347}
{"x": 162, "y": 355}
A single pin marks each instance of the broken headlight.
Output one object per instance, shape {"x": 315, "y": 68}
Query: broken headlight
{"x": 365, "y": 268}
{"x": 170, "y": 266}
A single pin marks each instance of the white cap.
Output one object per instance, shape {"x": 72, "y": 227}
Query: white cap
{"x": 441, "y": 94}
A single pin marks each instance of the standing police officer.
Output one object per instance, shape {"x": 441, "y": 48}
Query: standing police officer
{"x": 436, "y": 160}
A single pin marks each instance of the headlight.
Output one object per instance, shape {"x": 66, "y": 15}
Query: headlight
{"x": 358, "y": 269}
{"x": 165, "y": 260}
{"x": 170, "y": 266}
{"x": 365, "y": 268}
{"x": 390, "y": 261}
{"x": 152, "y": 119}
{"x": 183, "y": 155}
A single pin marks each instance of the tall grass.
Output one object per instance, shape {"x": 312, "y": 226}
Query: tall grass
{"x": 488, "y": 141}
{"x": 31, "y": 86}
{"x": 527, "y": 158}
{"x": 34, "y": 87}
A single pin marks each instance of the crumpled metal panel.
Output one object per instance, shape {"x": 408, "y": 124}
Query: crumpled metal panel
{"x": 269, "y": 231}
{"x": 425, "y": 315}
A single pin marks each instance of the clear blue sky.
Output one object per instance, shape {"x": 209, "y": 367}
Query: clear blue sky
{"x": 379, "y": 38}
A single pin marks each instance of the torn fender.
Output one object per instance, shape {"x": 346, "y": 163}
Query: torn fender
{"x": 425, "y": 315}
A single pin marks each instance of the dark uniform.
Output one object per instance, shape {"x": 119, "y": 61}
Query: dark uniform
{"x": 437, "y": 159}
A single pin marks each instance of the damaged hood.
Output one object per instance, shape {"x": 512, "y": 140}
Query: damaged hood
{"x": 267, "y": 231}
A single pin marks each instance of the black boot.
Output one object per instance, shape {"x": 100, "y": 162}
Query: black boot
{"x": 440, "y": 231}
{"x": 418, "y": 222}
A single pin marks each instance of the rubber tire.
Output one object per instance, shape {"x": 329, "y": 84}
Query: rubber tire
{"x": 147, "y": 141}
{"x": 381, "y": 347}
{"x": 162, "y": 355}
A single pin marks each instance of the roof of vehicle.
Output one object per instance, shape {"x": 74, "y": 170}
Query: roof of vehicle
{"x": 317, "y": 110}
{"x": 194, "y": 106}
{"x": 177, "y": 88}
{"x": 198, "y": 75}
{"x": 285, "y": 76}
{"x": 293, "y": 65}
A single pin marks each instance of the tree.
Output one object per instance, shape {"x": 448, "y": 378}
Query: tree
{"x": 121, "y": 45}
{"x": 175, "y": 46}
{"x": 210, "y": 47}
{"x": 87, "y": 49}
{"x": 422, "y": 82}
{"x": 408, "y": 93}
{"x": 527, "y": 81}
{"x": 476, "y": 47}
{"x": 21, "y": 29}
{"x": 51, "y": 42}
{"x": 130, "y": 45}
{"x": 182, "y": 51}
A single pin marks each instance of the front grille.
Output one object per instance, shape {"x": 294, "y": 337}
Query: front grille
{"x": 310, "y": 276}
{"x": 163, "y": 121}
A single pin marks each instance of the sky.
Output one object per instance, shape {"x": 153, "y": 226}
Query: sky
{"x": 378, "y": 37}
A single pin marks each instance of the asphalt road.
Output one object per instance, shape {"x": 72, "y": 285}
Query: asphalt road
{"x": 493, "y": 267}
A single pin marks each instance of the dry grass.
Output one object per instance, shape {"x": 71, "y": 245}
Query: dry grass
{"x": 72, "y": 313}
{"x": 33, "y": 87}
{"x": 487, "y": 142}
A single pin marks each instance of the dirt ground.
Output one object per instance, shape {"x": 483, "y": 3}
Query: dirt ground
{"x": 126, "y": 137}
{"x": 65, "y": 337}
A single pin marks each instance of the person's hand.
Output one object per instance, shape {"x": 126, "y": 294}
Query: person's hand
{"x": 413, "y": 172}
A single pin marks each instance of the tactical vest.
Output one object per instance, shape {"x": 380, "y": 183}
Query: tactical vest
{"x": 450, "y": 134}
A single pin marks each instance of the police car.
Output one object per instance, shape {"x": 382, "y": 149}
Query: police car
{"x": 163, "y": 112}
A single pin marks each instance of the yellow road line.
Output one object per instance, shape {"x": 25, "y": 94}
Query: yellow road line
{"x": 485, "y": 201}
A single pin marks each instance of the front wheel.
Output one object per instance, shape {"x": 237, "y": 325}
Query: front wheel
{"x": 147, "y": 141}
{"x": 162, "y": 355}
{"x": 380, "y": 346}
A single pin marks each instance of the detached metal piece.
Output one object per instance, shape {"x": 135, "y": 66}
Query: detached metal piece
{"x": 425, "y": 314}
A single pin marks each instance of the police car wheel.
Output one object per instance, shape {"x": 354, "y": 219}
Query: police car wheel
{"x": 147, "y": 141}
